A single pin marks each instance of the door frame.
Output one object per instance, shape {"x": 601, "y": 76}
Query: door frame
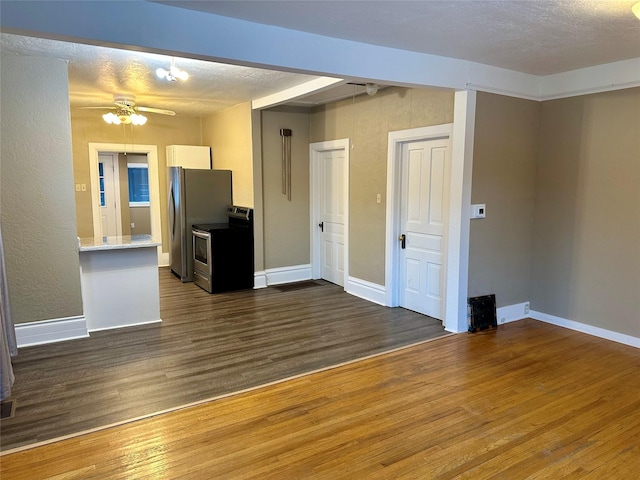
{"x": 151, "y": 151}
{"x": 462, "y": 139}
{"x": 315, "y": 184}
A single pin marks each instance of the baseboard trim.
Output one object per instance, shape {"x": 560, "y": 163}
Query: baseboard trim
{"x": 512, "y": 313}
{"x": 294, "y": 273}
{"x": 51, "y": 331}
{"x": 163, "y": 261}
{"x": 367, "y": 290}
{"x": 585, "y": 328}
{"x": 260, "y": 279}
{"x": 138, "y": 324}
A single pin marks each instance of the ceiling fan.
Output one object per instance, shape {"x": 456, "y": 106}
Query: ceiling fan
{"x": 127, "y": 113}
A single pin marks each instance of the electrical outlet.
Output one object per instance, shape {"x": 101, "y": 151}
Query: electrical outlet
{"x": 526, "y": 308}
{"x": 133, "y": 225}
{"x": 502, "y": 320}
{"x": 378, "y": 198}
{"x": 83, "y": 187}
{"x": 77, "y": 187}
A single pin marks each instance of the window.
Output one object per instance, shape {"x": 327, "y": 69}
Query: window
{"x": 138, "y": 184}
{"x": 103, "y": 201}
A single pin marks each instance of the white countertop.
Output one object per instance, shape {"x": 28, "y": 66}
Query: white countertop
{"x": 116, "y": 243}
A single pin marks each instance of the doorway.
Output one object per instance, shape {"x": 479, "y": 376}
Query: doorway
{"x": 151, "y": 152}
{"x": 329, "y": 179}
{"x": 419, "y": 177}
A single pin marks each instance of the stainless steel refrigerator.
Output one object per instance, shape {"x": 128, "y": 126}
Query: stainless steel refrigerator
{"x": 195, "y": 197}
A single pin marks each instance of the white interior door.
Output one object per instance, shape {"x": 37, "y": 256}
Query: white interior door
{"x": 109, "y": 187}
{"x": 425, "y": 190}
{"x": 332, "y": 215}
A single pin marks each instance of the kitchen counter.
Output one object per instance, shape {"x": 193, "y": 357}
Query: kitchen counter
{"x": 119, "y": 277}
{"x": 117, "y": 243}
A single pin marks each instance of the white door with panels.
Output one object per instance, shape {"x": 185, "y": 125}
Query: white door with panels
{"x": 425, "y": 189}
{"x": 109, "y": 189}
{"x": 332, "y": 215}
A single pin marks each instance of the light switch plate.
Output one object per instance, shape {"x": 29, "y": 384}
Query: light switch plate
{"x": 478, "y": 210}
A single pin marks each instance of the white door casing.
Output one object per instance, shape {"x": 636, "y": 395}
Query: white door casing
{"x": 151, "y": 151}
{"x": 110, "y": 214}
{"x": 329, "y": 180}
{"x": 397, "y": 140}
{"x": 425, "y": 169}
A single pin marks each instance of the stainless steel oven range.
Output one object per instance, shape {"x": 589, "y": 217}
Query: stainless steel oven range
{"x": 223, "y": 252}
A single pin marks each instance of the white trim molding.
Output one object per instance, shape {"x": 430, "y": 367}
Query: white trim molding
{"x": 260, "y": 279}
{"x": 512, "y": 313}
{"x": 366, "y": 290}
{"x": 585, "y": 328}
{"x": 293, "y": 273}
{"x": 51, "y": 331}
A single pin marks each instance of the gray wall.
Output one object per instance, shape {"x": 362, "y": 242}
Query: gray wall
{"x": 504, "y": 173}
{"x": 286, "y": 223}
{"x": 37, "y": 190}
{"x": 586, "y": 251}
{"x": 367, "y": 121}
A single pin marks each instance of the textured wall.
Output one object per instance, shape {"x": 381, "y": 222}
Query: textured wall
{"x": 286, "y": 223}
{"x": 37, "y": 191}
{"x": 367, "y": 121}
{"x": 504, "y": 173}
{"x": 229, "y": 134}
{"x": 586, "y": 255}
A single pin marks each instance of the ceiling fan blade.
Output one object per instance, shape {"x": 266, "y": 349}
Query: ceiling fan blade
{"x": 156, "y": 110}
{"x": 94, "y": 108}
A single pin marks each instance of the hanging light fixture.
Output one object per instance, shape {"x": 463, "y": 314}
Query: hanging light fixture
{"x": 636, "y": 10}
{"x": 124, "y": 117}
{"x": 173, "y": 74}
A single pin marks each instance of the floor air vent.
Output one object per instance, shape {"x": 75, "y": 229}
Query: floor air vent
{"x": 483, "y": 313}
{"x": 6, "y": 409}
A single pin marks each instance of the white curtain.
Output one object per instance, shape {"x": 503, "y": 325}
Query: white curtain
{"x": 8, "y": 346}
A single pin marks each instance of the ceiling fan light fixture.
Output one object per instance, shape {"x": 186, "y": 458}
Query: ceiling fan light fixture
{"x": 124, "y": 118}
{"x": 173, "y": 74}
{"x": 636, "y": 10}
{"x": 111, "y": 118}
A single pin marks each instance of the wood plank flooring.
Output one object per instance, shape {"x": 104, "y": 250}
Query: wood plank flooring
{"x": 207, "y": 346}
{"x": 526, "y": 401}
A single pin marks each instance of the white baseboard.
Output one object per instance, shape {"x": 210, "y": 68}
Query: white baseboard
{"x": 369, "y": 291}
{"x": 588, "y": 329}
{"x": 512, "y": 313}
{"x": 294, "y": 273}
{"x": 163, "y": 261}
{"x": 125, "y": 326}
{"x": 260, "y": 279}
{"x": 51, "y": 331}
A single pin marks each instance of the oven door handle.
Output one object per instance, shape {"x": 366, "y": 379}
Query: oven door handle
{"x": 199, "y": 234}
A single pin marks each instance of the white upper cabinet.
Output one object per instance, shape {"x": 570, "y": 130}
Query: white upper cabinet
{"x": 189, "y": 156}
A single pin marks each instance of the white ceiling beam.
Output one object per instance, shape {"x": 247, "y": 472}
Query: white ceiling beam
{"x": 313, "y": 86}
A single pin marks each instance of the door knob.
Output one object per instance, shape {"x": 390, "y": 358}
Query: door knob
{"x": 403, "y": 241}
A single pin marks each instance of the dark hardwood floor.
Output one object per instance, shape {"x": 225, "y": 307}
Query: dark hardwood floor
{"x": 207, "y": 346}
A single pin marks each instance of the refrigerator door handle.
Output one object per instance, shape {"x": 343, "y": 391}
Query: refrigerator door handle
{"x": 172, "y": 211}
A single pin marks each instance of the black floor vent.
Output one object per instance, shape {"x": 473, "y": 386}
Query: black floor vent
{"x": 6, "y": 409}
{"x": 483, "y": 313}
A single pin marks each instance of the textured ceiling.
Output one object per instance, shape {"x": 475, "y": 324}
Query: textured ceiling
{"x": 96, "y": 73}
{"x": 539, "y": 37}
